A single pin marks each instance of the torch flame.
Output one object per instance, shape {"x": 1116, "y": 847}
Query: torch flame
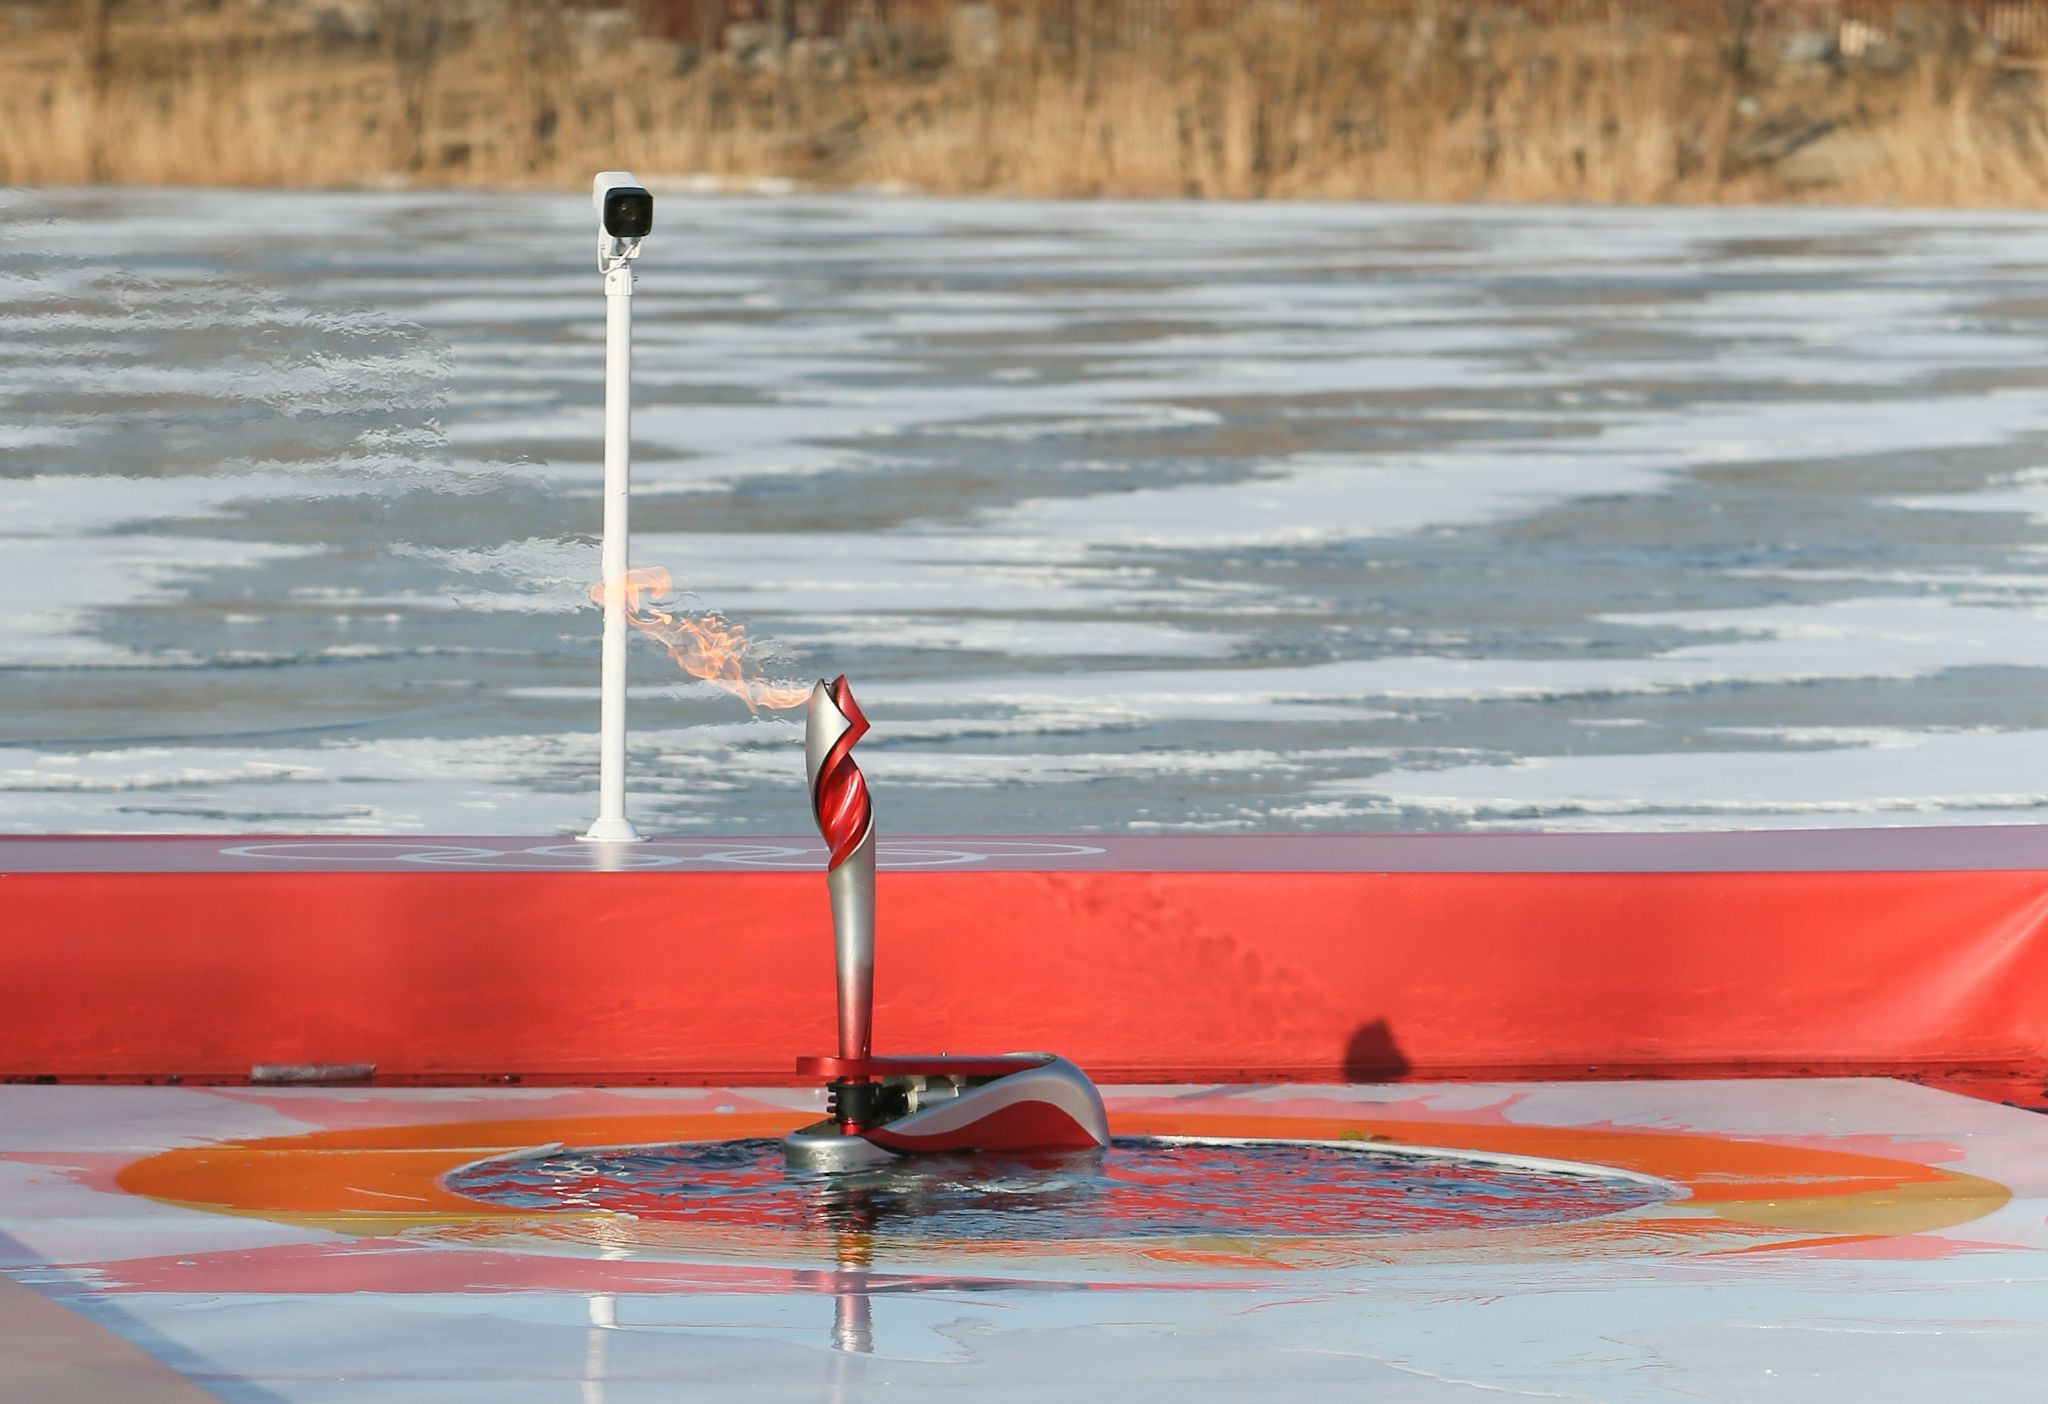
{"x": 704, "y": 647}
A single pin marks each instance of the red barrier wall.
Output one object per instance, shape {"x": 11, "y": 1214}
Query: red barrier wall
{"x": 112, "y": 966}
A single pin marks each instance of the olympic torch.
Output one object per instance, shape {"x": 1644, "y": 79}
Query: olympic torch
{"x": 880, "y": 1109}
{"x": 846, "y": 817}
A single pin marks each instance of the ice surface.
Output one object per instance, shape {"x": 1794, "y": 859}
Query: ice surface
{"x": 1666, "y": 1305}
{"x": 1120, "y": 515}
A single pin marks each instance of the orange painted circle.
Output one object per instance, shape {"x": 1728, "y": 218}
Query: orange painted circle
{"x": 1736, "y": 1195}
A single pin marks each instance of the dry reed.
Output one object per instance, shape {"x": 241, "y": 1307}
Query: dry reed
{"x": 1413, "y": 101}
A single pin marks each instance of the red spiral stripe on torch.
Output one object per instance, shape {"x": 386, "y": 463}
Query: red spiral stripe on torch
{"x": 840, "y": 801}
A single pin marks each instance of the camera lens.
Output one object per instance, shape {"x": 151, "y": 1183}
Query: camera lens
{"x": 628, "y": 212}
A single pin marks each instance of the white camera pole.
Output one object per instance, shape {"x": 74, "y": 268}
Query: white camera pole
{"x": 625, "y": 214}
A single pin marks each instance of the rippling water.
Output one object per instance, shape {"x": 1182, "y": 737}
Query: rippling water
{"x": 1121, "y": 516}
{"x": 1137, "y": 1188}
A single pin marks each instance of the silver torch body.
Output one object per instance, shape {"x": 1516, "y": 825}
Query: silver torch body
{"x": 845, "y": 816}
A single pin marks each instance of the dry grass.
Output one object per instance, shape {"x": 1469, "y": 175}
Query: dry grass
{"x": 1421, "y": 101}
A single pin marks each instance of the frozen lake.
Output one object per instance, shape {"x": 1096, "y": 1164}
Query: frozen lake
{"x": 1120, "y": 516}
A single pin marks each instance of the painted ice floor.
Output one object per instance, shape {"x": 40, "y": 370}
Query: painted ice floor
{"x": 1808, "y": 1241}
{"x": 1190, "y": 517}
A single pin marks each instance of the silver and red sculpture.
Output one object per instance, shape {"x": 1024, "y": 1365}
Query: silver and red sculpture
{"x": 878, "y": 1109}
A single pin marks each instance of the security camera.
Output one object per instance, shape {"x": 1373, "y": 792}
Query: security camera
{"x": 625, "y": 215}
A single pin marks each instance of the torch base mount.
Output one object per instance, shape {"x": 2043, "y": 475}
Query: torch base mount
{"x": 884, "y": 1108}
{"x": 824, "y": 1149}
{"x": 971, "y": 1065}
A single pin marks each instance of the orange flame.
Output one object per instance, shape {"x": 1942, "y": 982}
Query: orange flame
{"x": 704, "y": 647}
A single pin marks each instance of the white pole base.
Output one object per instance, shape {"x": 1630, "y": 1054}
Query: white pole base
{"x": 611, "y": 831}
